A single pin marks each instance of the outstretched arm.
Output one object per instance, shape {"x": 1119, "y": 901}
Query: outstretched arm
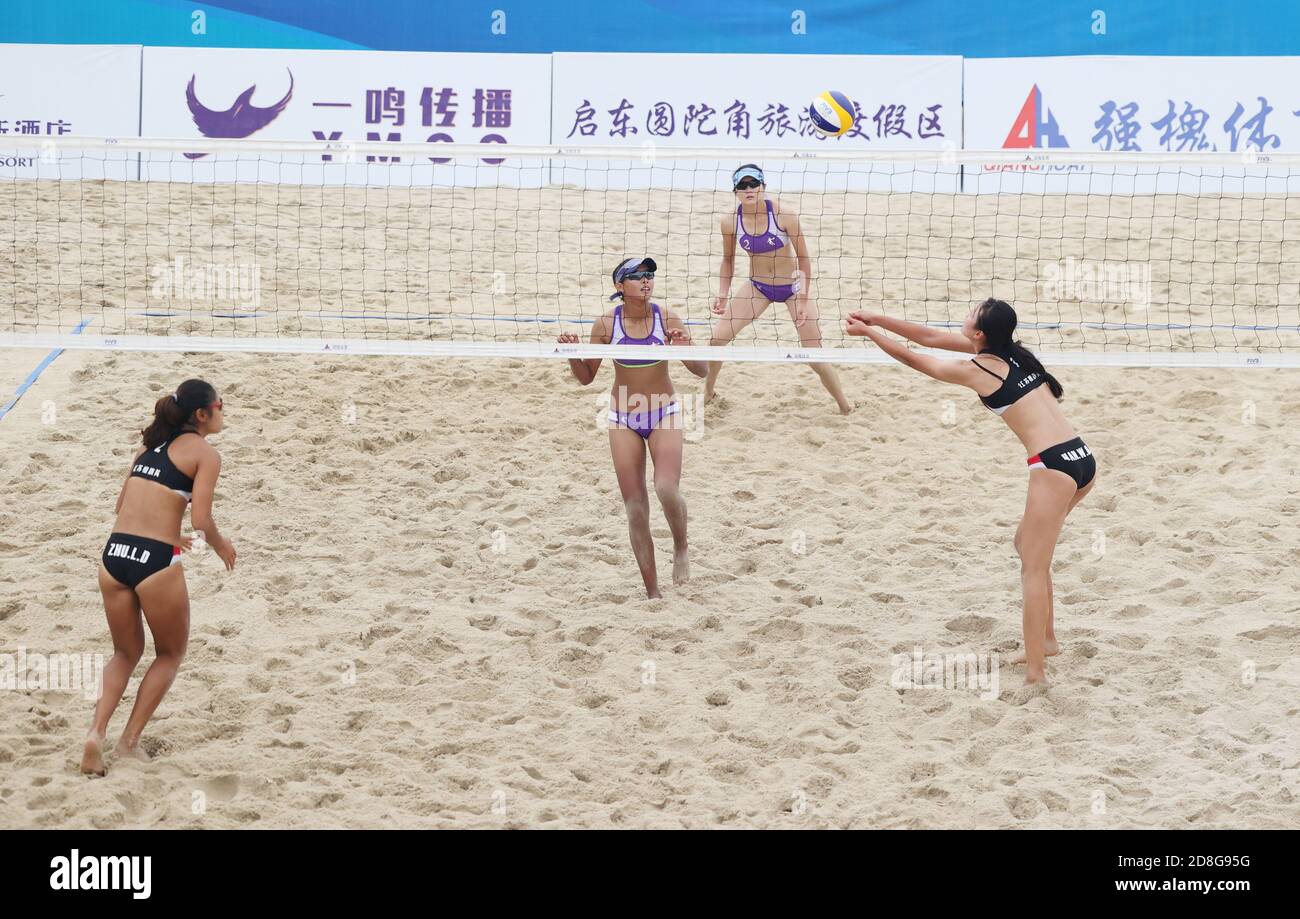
{"x": 960, "y": 372}
{"x": 923, "y": 335}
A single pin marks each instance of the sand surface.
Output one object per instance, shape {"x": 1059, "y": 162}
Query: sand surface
{"x": 436, "y": 620}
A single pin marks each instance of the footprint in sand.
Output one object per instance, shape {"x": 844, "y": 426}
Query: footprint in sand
{"x": 1284, "y": 632}
{"x": 1134, "y": 611}
{"x": 1024, "y": 694}
{"x": 221, "y": 788}
{"x": 588, "y": 635}
{"x": 377, "y": 633}
{"x": 1022, "y": 807}
{"x": 971, "y": 624}
{"x": 573, "y": 662}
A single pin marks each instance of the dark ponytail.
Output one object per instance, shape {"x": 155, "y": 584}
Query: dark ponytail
{"x": 997, "y": 320}
{"x": 173, "y": 411}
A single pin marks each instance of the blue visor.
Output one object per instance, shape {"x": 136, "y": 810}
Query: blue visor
{"x": 747, "y": 172}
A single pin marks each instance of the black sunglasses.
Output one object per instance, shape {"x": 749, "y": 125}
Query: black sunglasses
{"x": 638, "y": 275}
{"x": 747, "y": 183}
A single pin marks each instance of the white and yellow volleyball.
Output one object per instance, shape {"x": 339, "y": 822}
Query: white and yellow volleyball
{"x": 831, "y": 113}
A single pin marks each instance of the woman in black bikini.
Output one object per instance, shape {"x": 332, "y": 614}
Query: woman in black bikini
{"x": 1012, "y": 383}
{"x": 140, "y": 567}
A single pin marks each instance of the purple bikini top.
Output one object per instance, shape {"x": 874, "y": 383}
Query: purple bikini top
{"x": 658, "y": 336}
{"x": 765, "y": 242}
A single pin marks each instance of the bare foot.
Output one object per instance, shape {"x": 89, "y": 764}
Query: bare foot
{"x": 92, "y": 755}
{"x": 653, "y": 594}
{"x": 1051, "y": 649}
{"x": 130, "y": 750}
{"x": 681, "y": 567}
{"x": 708, "y": 395}
{"x": 845, "y": 408}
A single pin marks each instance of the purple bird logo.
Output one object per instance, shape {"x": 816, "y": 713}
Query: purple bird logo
{"x": 240, "y": 120}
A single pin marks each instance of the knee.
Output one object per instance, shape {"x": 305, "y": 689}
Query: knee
{"x": 131, "y": 655}
{"x": 1032, "y": 571}
{"x": 638, "y": 510}
{"x": 811, "y": 338}
{"x": 667, "y": 492}
{"x": 170, "y": 656}
{"x": 725, "y": 330}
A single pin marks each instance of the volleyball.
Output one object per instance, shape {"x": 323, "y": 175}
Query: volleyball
{"x": 831, "y": 113}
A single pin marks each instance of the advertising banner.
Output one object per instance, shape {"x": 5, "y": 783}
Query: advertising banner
{"x": 1249, "y": 106}
{"x": 61, "y": 91}
{"x": 751, "y": 101}
{"x": 346, "y": 96}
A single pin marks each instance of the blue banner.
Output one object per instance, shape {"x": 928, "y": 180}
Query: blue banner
{"x": 972, "y": 28}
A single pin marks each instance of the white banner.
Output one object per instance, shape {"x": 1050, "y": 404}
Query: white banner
{"x": 753, "y": 101}
{"x": 342, "y": 96}
{"x": 58, "y": 91}
{"x": 1172, "y": 104}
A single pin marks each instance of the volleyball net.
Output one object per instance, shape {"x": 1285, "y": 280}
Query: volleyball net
{"x": 495, "y": 250}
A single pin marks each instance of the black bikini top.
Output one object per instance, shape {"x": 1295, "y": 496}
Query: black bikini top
{"x": 1015, "y": 387}
{"x": 156, "y": 466}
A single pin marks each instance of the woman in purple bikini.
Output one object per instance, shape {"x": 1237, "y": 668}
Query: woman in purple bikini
{"x": 780, "y": 271}
{"x": 644, "y": 412}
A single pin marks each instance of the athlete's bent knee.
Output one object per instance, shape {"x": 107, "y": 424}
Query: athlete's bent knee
{"x": 668, "y": 492}
{"x": 638, "y": 510}
{"x": 166, "y": 666}
{"x": 170, "y": 656}
{"x": 130, "y": 655}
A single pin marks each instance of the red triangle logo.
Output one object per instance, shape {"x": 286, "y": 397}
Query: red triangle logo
{"x": 1021, "y": 134}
